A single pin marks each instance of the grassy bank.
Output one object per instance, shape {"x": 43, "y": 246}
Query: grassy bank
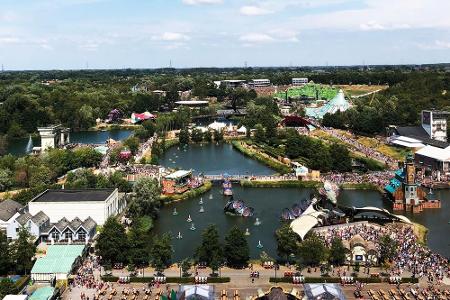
{"x": 421, "y": 232}
{"x": 170, "y": 143}
{"x": 268, "y": 161}
{"x": 359, "y": 186}
{"x": 284, "y": 183}
{"x": 189, "y": 194}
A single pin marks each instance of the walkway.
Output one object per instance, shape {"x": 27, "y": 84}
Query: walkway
{"x": 236, "y": 178}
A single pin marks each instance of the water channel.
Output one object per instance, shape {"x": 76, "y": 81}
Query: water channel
{"x": 267, "y": 202}
{"x": 18, "y": 146}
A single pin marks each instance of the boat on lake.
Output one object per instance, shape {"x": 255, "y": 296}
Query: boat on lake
{"x": 238, "y": 208}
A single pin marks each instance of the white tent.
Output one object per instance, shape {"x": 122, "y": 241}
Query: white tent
{"x": 323, "y": 291}
{"x": 230, "y": 128}
{"x": 217, "y": 126}
{"x": 242, "y": 130}
{"x": 308, "y": 219}
{"x": 198, "y": 291}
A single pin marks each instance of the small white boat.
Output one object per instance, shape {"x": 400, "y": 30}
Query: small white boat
{"x": 247, "y": 232}
{"x": 257, "y": 222}
{"x": 174, "y": 213}
{"x": 179, "y": 236}
{"x": 201, "y": 201}
{"x": 260, "y": 246}
{"x": 189, "y": 219}
{"x": 202, "y": 210}
{"x": 192, "y": 227}
{"x": 210, "y": 196}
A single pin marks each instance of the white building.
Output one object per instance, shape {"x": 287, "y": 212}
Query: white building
{"x": 299, "y": 81}
{"x": 9, "y": 211}
{"x": 35, "y": 224}
{"x": 230, "y": 83}
{"x": 259, "y": 83}
{"x": 435, "y": 124}
{"x": 99, "y": 204}
{"x": 54, "y": 136}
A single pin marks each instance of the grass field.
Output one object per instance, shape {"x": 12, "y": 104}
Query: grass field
{"x": 395, "y": 152}
{"x": 310, "y": 91}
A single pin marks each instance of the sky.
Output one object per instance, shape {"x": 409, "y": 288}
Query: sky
{"x": 105, "y": 34}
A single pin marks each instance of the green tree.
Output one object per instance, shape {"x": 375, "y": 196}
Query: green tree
{"x": 7, "y": 287}
{"x": 23, "y": 251}
{"x": 138, "y": 241}
{"x": 86, "y": 117}
{"x": 207, "y": 136}
{"x": 184, "y": 136}
{"x": 312, "y": 250}
{"x": 3, "y": 145}
{"x": 146, "y": 200}
{"x": 388, "y": 248}
{"x": 112, "y": 244}
{"x": 5, "y": 255}
{"x": 186, "y": 265}
{"x": 39, "y": 175}
{"x": 161, "y": 252}
{"x": 340, "y": 158}
{"x": 6, "y": 180}
{"x": 218, "y": 135}
{"x": 337, "y": 252}
{"x": 236, "y": 249}
{"x": 210, "y": 249}
{"x": 197, "y": 135}
{"x": 287, "y": 241}
{"x": 132, "y": 143}
{"x": 86, "y": 157}
{"x": 260, "y": 134}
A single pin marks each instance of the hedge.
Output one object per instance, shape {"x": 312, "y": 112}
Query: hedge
{"x": 168, "y": 279}
{"x": 338, "y": 280}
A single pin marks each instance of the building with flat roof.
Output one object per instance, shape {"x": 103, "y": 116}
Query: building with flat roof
{"x": 259, "y": 83}
{"x": 230, "y": 83}
{"x": 299, "y": 81}
{"x": 99, "y": 204}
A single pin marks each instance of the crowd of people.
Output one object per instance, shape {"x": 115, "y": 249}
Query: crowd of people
{"x": 85, "y": 277}
{"x": 379, "y": 178}
{"x": 410, "y": 255}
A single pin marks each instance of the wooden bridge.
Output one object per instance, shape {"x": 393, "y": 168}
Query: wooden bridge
{"x": 238, "y": 178}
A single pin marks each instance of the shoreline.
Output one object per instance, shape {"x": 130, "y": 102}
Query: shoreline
{"x": 268, "y": 161}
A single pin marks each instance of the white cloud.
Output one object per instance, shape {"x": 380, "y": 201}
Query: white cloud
{"x": 437, "y": 45}
{"x": 171, "y": 37}
{"x": 255, "y": 11}
{"x": 199, "y": 2}
{"x": 10, "y": 40}
{"x": 256, "y": 38}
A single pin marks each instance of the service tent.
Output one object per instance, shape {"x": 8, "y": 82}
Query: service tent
{"x": 323, "y": 291}
{"x": 198, "y": 291}
{"x": 217, "y": 126}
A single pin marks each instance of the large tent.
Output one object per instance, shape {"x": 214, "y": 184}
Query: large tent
{"x": 323, "y": 291}
{"x": 137, "y": 118}
{"x": 338, "y": 103}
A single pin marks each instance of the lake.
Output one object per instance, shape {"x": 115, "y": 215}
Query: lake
{"x": 267, "y": 202}
{"x": 18, "y": 146}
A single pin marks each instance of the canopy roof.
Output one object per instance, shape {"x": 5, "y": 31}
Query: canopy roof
{"x": 179, "y": 174}
{"x": 338, "y": 103}
{"x": 323, "y": 291}
{"x": 435, "y": 153}
{"x": 217, "y": 125}
{"x": 308, "y": 219}
{"x": 59, "y": 259}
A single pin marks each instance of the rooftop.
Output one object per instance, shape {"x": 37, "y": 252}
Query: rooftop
{"x": 9, "y": 208}
{"x": 179, "y": 174}
{"x": 68, "y": 195}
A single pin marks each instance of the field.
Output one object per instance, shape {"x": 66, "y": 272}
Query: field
{"x": 395, "y": 152}
{"x": 310, "y": 90}
{"x": 326, "y": 92}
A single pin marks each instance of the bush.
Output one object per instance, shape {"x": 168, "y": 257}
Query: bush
{"x": 189, "y": 194}
{"x": 22, "y": 282}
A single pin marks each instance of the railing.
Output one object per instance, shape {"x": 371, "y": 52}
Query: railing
{"x": 249, "y": 177}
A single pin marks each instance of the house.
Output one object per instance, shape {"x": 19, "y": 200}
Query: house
{"x": 9, "y": 211}
{"x": 34, "y": 224}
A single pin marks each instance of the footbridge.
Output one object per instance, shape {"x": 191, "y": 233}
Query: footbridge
{"x": 238, "y": 178}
